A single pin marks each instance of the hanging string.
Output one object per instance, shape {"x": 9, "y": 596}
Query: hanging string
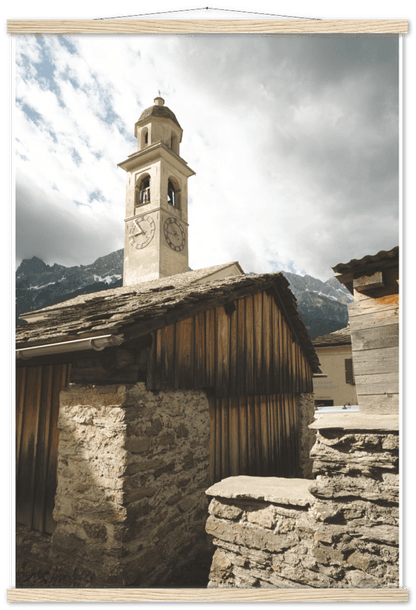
{"x": 207, "y": 8}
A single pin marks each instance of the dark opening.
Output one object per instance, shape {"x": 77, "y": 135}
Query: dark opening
{"x": 324, "y": 403}
{"x": 171, "y": 193}
{"x": 143, "y": 192}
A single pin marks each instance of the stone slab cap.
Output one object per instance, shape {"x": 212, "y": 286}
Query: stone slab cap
{"x": 270, "y": 489}
{"x": 357, "y": 421}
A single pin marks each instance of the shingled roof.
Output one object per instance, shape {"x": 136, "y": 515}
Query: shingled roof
{"x": 135, "y": 311}
{"x": 338, "y": 337}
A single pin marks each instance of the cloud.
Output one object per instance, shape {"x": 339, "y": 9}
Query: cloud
{"x": 294, "y": 141}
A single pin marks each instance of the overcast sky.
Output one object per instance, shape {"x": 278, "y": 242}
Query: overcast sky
{"x": 294, "y": 141}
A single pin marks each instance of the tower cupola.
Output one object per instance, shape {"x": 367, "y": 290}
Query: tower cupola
{"x": 158, "y": 123}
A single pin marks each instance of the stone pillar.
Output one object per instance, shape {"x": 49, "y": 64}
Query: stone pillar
{"x": 306, "y": 414}
{"x": 338, "y": 531}
{"x": 356, "y": 508}
{"x": 132, "y": 471}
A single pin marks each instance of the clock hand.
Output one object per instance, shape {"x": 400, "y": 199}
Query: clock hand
{"x": 139, "y": 231}
{"x": 138, "y": 227}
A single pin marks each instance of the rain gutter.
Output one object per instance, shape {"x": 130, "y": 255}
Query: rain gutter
{"x": 95, "y": 343}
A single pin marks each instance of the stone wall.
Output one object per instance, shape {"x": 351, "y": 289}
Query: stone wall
{"x": 340, "y": 530}
{"x": 132, "y": 471}
{"x": 306, "y": 414}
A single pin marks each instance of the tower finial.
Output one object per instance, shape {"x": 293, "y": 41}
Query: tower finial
{"x": 159, "y": 101}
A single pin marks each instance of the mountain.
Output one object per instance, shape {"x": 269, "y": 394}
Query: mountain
{"x": 39, "y": 285}
{"x": 322, "y": 305}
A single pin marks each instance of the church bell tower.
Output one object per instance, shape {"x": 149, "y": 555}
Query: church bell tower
{"x": 156, "y": 222}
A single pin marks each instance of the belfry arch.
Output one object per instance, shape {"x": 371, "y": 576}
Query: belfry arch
{"x": 142, "y": 191}
{"x": 174, "y": 193}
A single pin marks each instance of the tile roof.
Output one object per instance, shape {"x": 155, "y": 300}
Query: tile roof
{"x": 381, "y": 256}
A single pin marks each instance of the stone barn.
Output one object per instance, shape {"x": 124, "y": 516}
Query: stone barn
{"x": 131, "y": 401}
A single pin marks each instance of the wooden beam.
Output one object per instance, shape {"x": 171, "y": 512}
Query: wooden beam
{"x": 368, "y": 282}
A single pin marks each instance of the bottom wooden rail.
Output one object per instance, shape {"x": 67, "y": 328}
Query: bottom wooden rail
{"x": 207, "y": 595}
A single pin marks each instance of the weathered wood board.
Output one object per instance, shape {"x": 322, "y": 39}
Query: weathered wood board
{"x": 379, "y": 404}
{"x": 383, "y": 383}
{"x": 250, "y": 351}
{"x": 37, "y": 412}
{"x": 376, "y": 361}
{"x": 375, "y": 338}
{"x": 254, "y": 435}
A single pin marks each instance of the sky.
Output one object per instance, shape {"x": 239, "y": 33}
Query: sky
{"x": 294, "y": 141}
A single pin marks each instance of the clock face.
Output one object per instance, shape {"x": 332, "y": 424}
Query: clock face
{"x": 174, "y": 234}
{"x": 141, "y": 231}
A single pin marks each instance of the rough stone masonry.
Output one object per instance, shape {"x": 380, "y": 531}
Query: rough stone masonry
{"x": 339, "y": 531}
{"x": 132, "y": 472}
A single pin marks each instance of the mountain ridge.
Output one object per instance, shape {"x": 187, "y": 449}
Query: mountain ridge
{"x": 321, "y": 305}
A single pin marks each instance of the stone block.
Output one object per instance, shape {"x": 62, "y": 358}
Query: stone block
{"x": 143, "y": 465}
{"x": 360, "y": 580}
{"x": 163, "y": 469}
{"x": 95, "y": 531}
{"x": 327, "y": 554}
{"x": 182, "y": 431}
{"x": 155, "y": 427}
{"x": 266, "y": 517}
{"x": 359, "y": 560}
{"x": 67, "y": 542}
{"x": 224, "y": 511}
{"x": 166, "y": 438}
{"x": 138, "y": 493}
{"x": 383, "y": 534}
{"x": 138, "y": 444}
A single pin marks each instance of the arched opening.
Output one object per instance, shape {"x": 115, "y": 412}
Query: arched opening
{"x": 144, "y": 137}
{"x": 142, "y": 192}
{"x": 173, "y": 193}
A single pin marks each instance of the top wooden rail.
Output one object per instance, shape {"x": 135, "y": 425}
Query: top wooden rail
{"x": 207, "y": 26}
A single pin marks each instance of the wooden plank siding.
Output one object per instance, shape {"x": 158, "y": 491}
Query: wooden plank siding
{"x": 248, "y": 356}
{"x": 249, "y": 352}
{"x": 255, "y": 435}
{"x": 37, "y": 410}
{"x": 374, "y": 323}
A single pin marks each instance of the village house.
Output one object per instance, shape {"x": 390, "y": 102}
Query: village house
{"x": 132, "y": 401}
{"x": 374, "y": 322}
{"x": 337, "y": 388}
{"x": 342, "y": 529}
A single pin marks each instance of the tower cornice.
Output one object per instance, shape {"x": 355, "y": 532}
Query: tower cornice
{"x": 152, "y": 152}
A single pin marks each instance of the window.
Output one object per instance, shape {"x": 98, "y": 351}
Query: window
{"x": 349, "y": 371}
{"x": 324, "y": 403}
{"x": 142, "y": 194}
{"x": 144, "y": 137}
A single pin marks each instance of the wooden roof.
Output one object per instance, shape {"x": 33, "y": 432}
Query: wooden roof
{"x": 135, "y": 311}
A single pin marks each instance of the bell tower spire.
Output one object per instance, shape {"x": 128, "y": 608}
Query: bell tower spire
{"x": 156, "y": 221}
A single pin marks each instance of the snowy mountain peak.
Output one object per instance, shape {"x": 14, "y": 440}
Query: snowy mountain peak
{"x": 322, "y": 305}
